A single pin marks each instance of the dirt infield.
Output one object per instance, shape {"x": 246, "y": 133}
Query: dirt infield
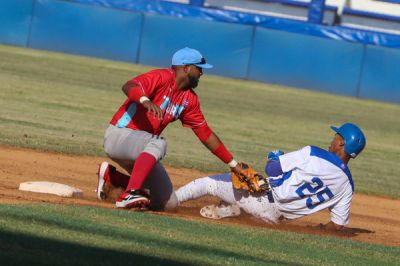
{"x": 373, "y": 219}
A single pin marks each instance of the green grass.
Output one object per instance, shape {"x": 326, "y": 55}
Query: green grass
{"x": 63, "y": 103}
{"x": 71, "y": 235}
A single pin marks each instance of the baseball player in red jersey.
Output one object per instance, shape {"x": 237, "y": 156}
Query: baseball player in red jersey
{"x": 132, "y": 140}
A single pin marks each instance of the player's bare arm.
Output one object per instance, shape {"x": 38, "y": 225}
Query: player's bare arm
{"x": 146, "y": 102}
{"x": 213, "y": 143}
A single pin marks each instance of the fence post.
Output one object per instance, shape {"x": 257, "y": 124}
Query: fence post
{"x": 197, "y": 2}
{"x": 316, "y": 11}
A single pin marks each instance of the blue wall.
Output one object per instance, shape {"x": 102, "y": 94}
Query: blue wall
{"x": 226, "y": 46}
{"x": 15, "y": 19}
{"x": 305, "y": 61}
{"x": 381, "y": 74}
{"x": 239, "y": 51}
{"x": 82, "y": 29}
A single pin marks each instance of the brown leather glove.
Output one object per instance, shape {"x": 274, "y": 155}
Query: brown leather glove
{"x": 249, "y": 179}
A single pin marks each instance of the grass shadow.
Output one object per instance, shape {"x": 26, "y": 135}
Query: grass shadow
{"x": 21, "y": 249}
{"x": 91, "y": 254}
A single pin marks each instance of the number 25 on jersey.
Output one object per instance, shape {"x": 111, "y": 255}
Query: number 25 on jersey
{"x": 312, "y": 188}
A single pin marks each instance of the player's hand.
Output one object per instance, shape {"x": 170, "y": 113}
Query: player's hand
{"x": 274, "y": 155}
{"x": 237, "y": 169}
{"x": 152, "y": 107}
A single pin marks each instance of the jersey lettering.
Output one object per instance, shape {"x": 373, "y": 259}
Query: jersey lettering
{"x": 165, "y": 102}
{"x": 312, "y": 188}
{"x": 160, "y": 86}
{"x": 172, "y": 109}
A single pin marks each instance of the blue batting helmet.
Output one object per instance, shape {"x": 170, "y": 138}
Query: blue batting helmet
{"x": 354, "y": 138}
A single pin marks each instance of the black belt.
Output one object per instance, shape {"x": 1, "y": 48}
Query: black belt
{"x": 270, "y": 197}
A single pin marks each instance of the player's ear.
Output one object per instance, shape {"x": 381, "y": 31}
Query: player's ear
{"x": 340, "y": 139}
{"x": 341, "y": 142}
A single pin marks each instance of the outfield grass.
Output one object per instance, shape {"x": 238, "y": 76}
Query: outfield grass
{"x": 71, "y": 235}
{"x": 63, "y": 103}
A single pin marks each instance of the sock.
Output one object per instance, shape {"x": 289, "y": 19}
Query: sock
{"x": 143, "y": 166}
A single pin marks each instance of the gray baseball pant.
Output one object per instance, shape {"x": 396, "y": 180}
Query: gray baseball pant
{"x": 123, "y": 146}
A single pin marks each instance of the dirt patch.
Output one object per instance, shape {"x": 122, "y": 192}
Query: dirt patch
{"x": 373, "y": 219}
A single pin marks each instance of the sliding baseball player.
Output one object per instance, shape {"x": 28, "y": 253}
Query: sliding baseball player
{"x": 300, "y": 183}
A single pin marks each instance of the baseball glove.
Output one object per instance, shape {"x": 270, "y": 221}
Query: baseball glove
{"x": 249, "y": 180}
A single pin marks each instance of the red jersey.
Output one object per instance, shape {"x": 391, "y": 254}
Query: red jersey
{"x": 160, "y": 87}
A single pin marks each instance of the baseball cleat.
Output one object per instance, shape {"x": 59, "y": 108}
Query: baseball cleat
{"x": 133, "y": 199}
{"x": 220, "y": 211}
{"x": 104, "y": 182}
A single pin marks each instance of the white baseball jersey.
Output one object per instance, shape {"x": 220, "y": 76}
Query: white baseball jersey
{"x": 313, "y": 179}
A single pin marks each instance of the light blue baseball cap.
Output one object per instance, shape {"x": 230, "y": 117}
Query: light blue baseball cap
{"x": 189, "y": 56}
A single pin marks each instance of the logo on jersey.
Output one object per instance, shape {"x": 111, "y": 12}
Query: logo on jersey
{"x": 173, "y": 109}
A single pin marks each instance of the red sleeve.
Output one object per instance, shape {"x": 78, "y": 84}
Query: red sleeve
{"x": 147, "y": 84}
{"x": 135, "y": 93}
{"x": 202, "y": 132}
{"x": 193, "y": 117}
{"x": 222, "y": 152}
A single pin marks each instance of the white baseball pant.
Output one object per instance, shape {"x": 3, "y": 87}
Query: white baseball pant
{"x": 221, "y": 186}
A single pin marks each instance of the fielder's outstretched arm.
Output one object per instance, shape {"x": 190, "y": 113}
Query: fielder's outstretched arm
{"x": 215, "y": 145}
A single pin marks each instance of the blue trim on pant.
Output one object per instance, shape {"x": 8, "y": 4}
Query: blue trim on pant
{"x": 270, "y": 197}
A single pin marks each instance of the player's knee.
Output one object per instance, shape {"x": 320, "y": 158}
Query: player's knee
{"x": 162, "y": 146}
{"x": 157, "y": 147}
{"x": 172, "y": 203}
{"x": 107, "y": 147}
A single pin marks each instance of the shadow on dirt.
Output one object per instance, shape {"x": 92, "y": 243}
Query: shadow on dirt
{"x": 345, "y": 232}
{"x": 356, "y": 231}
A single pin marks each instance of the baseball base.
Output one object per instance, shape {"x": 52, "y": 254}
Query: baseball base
{"x": 51, "y": 188}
